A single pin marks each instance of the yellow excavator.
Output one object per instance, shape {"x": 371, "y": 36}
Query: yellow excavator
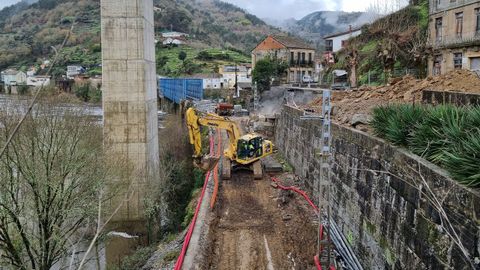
{"x": 242, "y": 151}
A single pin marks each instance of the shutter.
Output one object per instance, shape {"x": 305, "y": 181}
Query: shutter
{"x": 475, "y": 63}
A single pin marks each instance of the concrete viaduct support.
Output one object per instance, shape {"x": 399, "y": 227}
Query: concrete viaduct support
{"x": 129, "y": 94}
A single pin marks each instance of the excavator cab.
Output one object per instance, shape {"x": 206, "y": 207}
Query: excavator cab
{"x": 249, "y": 148}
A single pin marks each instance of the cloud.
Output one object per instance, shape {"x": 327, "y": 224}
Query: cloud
{"x": 285, "y": 9}
{"x": 6, "y": 3}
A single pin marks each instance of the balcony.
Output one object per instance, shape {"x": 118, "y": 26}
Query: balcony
{"x": 301, "y": 63}
{"x": 454, "y": 41}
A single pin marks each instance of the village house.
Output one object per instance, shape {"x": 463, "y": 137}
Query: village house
{"x": 74, "y": 70}
{"x": 211, "y": 81}
{"x": 174, "y": 34}
{"x": 297, "y": 54}
{"x": 37, "y": 81}
{"x": 12, "y": 77}
{"x": 337, "y": 41}
{"x": 454, "y": 36}
{"x": 174, "y": 41}
{"x": 230, "y": 72}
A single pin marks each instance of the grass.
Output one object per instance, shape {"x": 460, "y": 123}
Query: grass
{"x": 446, "y": 135}
{"x": 172, "y": 66}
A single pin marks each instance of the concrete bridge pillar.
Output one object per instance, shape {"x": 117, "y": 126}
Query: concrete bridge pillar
{"x": 129, "y": 93}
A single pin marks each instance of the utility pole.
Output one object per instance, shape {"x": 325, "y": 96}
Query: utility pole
{"x": 255, "y": 97}
{"x": 236, "y": 82}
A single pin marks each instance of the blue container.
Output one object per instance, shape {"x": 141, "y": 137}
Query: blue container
{"x": 177, "y": 90}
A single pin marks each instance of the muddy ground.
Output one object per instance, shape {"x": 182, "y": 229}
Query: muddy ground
{"x": 250, "y": 230}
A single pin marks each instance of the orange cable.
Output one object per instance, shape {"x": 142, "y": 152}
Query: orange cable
{"x": 215, "y": 171}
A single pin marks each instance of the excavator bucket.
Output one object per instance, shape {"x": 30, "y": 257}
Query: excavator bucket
{"x": 206, "y": 163}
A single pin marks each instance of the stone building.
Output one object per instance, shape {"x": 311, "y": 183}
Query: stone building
{"x": 299, "y": 56}
{"x": 454, "y": 36}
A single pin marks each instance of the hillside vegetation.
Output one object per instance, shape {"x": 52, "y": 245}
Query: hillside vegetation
{"x": 387, "y": 48}
{"x": 316, "y": 25}
{"x": 28, "y": 32}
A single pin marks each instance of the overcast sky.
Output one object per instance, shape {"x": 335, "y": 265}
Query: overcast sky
{"x": 6, "y": 3}
{"x": 285, "y": 9}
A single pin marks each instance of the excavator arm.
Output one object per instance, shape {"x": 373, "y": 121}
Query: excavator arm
{"x": 195, "y": 121}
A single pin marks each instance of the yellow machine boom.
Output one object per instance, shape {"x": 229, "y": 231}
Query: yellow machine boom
{"x": 242, "y": 150}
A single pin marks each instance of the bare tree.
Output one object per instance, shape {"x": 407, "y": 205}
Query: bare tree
{"x": 52, "y": 176}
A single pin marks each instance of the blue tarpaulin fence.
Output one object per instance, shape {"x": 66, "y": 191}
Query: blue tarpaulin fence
{"x": 181, "y": 89}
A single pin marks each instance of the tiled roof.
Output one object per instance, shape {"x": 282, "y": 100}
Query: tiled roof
{"x": 292, "y": 42}
{"x": 10, "y": 72}
{"x": 343, "y": 33}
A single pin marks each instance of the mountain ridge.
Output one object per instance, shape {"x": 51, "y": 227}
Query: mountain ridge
{"x": 316, "y": 25}
{"x": 29, "y": 30}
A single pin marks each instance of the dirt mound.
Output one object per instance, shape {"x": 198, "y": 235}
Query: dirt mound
{"x": 347, "y": 104}
{"x": 458, "y": 81}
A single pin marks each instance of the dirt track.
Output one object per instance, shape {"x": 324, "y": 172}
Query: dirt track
{"x": 249, "y": 232}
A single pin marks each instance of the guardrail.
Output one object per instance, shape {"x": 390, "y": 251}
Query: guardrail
{"x": 177, "y": 90}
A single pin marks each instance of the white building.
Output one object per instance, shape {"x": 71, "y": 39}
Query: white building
{"x": 13, "y": 77}
{"x": 174, "y": 34}
{"x": 335, "y": 42}
{"x": 213, "y": 83}
{"x": 173, "y": 41}
{"x": 229, "y": 73}
{"x": 38, "y": 81}
{"x": 74, "y": 70}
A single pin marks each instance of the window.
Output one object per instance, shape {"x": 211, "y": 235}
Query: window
{"x": 437, "y": 3}
{"x": 303, "y": 57}
{"x": 477, "y": 21}
{"x": 459, "y": 24}
{"x": 438, "y": 28}
{"x": 309, "y": 58}
{"x": 457, "y": 60}
{"x": 328, "y": 45}
{"x": 437, "y": 65}
{"x": 298, "y": 57}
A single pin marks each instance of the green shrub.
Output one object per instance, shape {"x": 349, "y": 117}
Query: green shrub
{"x": 439, "y": 127}
{"x": 396, "y": 122}
{"x": 88, "y": 93}
{"x": 446, "y": 135}
{"x": 22, "y": 89}
{"x": 138, "y": 259}
{"x": 462, "y": 160}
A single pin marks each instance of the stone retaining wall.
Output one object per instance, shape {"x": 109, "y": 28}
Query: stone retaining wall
{"x": 456, "y": 98}
{"x": 382, "y": 198}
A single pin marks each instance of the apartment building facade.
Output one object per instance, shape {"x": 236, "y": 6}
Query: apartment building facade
{"x": 299, "y": 56}
{"x": 454, "y": 36}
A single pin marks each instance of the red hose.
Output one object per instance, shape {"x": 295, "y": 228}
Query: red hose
{"x": 297, "y": 190}
{"x": 304, "y": 195}
{"x": 317, "y": 262}
{"x": 186, "y": 242}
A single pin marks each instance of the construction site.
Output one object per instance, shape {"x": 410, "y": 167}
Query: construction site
{"x": 381, "y": 207}
{"x": 360, "y": 153}
{"x": 305, "y": 175}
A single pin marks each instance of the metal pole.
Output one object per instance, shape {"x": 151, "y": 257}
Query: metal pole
{"x": 236, "y": 82}
{"x": 324, "y": 181}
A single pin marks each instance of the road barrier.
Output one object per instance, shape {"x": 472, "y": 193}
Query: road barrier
{"x": 177, "y": 90}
